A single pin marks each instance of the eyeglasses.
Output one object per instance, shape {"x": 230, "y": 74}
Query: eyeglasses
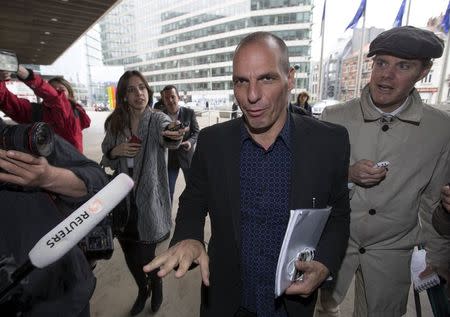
{"x": 136, "y": 89}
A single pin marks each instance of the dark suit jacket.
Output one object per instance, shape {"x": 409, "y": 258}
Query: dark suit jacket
{"x": 299, "y": 110}
{"x": 159, "y": 105}
{"x": 319, "y": 169}
{"x": 187, "y": 117}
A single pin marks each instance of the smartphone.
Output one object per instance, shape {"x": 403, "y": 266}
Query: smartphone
{"x": 177, "y": 127}
{"x": 382, "y": 164}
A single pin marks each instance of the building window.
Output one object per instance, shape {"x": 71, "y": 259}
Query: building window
{"x": 427, "y": 78}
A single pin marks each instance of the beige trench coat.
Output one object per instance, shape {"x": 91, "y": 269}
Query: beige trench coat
{"x": 385, "y": 221}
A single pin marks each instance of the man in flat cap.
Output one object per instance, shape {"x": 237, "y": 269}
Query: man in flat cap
{"x": 391, "y": 205}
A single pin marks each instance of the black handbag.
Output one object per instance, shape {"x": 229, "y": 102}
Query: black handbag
{"x": 98, "y": 244}
{"x": 119, "y": 216}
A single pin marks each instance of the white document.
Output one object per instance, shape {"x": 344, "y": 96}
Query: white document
{"x": 303, "y": 233}
{"x": 418, "y": 264}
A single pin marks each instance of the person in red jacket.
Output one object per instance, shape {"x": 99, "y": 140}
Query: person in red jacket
{"x": 58, "y": 107}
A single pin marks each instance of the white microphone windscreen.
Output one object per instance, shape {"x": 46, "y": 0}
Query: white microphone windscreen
{"x": 79, "y": 223}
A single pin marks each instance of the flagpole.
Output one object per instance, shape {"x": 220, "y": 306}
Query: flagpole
{"x": 360, "y": 56}
{"x": 407, "y": 12}
{"x": 319, "y": 88}
{"x": 443, "y": 71}
{"x": 320, "y": 70}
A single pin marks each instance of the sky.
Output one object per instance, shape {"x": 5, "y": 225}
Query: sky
{"x": 379, "y": 13}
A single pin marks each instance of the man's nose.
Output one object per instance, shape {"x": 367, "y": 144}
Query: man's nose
{"x": 388, "y": 71}
{"x": 254, "y": 92}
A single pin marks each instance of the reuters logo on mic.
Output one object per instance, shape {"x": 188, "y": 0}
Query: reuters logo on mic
{"x": 95, "y": 206}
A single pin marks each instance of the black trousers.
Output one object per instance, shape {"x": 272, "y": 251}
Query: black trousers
{"x": 137, "y": 254}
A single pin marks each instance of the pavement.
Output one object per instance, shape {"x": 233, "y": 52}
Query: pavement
{"x": 116, "y": 291}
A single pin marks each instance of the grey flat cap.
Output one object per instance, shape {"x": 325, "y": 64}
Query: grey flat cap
{"x": 407, "y": 42}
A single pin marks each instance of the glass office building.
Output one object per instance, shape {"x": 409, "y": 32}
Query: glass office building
{"x": 190, "y": 43}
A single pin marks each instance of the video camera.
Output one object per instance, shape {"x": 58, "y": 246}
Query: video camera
{"x": 37, "y": 138}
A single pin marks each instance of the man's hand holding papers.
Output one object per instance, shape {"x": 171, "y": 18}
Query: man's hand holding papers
{"x": 302, "y": 236}
{"x": 314, "y": 273}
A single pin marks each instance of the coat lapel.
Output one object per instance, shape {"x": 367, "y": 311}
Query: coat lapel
{"x": 233, "y": 177}
{"x": 301, "y": 151}
{"x": 180, "y": 115}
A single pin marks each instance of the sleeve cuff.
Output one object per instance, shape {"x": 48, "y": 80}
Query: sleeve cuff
{"x": 29, "y": 77}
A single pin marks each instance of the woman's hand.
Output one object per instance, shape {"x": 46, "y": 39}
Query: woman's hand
{"x": 125, "y": 149}
{"x": 175, "y": 131}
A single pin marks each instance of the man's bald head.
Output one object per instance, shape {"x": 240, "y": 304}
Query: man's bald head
{"x": 271, "y": 40}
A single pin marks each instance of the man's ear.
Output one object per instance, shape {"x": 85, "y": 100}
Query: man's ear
{"x": 291, "y": 78}
{"x": 424, "y": 72}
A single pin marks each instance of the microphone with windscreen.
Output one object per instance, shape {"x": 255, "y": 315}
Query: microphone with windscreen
{"x": 62, "y": 238}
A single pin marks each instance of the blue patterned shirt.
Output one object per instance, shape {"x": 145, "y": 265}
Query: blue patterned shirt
{"x": 264, "y": 187}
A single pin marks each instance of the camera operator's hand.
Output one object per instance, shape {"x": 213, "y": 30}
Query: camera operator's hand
{"x": 24, "y": 169}
{"x": 126, "y": 149}
{"x": 22, "y": 72}
{"x": 4, "y": 75}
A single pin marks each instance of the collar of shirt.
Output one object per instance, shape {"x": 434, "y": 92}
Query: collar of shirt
{"x": 174, "y": 116}
{"x": 283, "y": 135}
{"x": 393, "y": 113}
{"x": 411, "y": 110}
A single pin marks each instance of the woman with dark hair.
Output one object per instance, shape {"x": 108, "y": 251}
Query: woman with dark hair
{"x": 58, "y": 107}
{"x": 302, "y": 101}
{"x": 136, "y": 143}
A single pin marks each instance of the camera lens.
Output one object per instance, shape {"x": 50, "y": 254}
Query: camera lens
{"x": 42, "y": 139}
{"x": 37, "y": 138}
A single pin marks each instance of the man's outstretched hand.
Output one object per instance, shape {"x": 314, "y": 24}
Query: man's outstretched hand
{"x": 180, "y": 258}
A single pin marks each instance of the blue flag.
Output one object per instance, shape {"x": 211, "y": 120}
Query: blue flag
{"x": 358, "y": 15}
{"x": 399, "y": 18}
{"x": 446, "y": 20}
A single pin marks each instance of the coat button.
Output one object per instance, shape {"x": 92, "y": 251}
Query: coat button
{"x": 385, "y": 127}
{"x": 372, "y": 212}
{"x": 362, "y": 250}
